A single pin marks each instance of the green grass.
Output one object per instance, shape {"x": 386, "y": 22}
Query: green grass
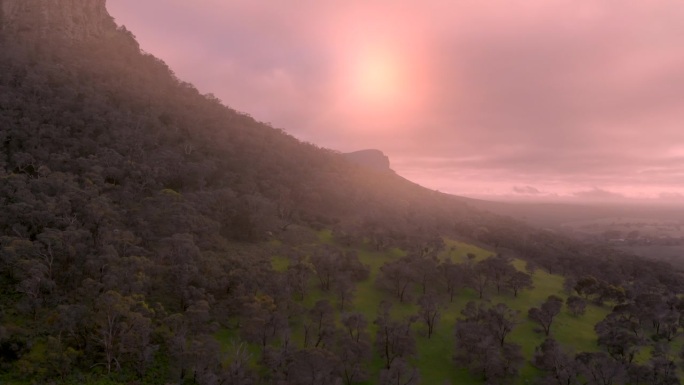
{"x": 279, "y": 263}
{"x": 434, "y": 358}
{"x": 325, "y": 237}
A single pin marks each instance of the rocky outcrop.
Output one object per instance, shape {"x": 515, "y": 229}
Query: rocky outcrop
{"x": 70, "y": 19}
{"x": 374, "y": 159}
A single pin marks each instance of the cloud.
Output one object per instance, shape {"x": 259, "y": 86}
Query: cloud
{"x": 526, "y": 190}
{"x": 670, "y": 197}
{"x": 597, "y": 194}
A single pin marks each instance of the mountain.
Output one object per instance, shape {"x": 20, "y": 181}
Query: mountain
{"x": 140, "y": 218}
{"x": 373, "y": 159}
{"x": 77, "y": 102}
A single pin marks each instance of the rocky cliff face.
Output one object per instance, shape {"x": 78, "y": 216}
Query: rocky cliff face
{"x": 70, "y": 19}
{"x": 374, "y": 159}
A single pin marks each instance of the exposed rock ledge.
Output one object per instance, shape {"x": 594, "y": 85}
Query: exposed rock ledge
{"x": 374, "y": 159}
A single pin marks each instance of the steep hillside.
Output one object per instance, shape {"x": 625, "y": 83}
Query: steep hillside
{"x": 140, "y": 217}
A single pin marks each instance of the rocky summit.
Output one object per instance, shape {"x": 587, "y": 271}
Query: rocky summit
{"x": 373, "y": 159}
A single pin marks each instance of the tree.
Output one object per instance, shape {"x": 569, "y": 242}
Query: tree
{"x": 651, "y": 310}
{"x": 586, "y": 286}
{"x": 471, "y": 259}
{"x": 480, "y": 278}
{"x": 544, "y": 316}
{"x": 398, "y": 277}
{"x": 599, "y": 369}
{"x": 394, "y": 338}
{"x": 354, "y": 350}
{"x": 531, "y": 267}
{"x": 518, "y": 281}
{"x": 576, "y": 305}
{"x": 351, "y": 267}
{"x": 429, "y": 311}
{"x": 263, "y": 322}
{"x": 313, "y": 366}
{"x": 661, "y": 368}
{"x": 136, "y": 343}
{"x": 277, "y": 361}
{"x": 612, "y": 293}
{"x": 332, "y": 265}
{"x": 429, "y": 246}
{"x": 325, "y": 264}
{"x": 400, "y": 372}
{"x": 355, "y": 325}
{"x": 616, "y": 333}
{"x": 499, "y": 270}
{"x": 670, "y": 324}
{"x": 501, "y": 320}
{"x": 319, "y": 329}
{"x": 298, "y": 275}
{"x": 344, "y": 289}
{"x": 237, "y": 370}
{"x": 482, "y": 354}
{"x": 120, "y": 329}
{"x": 425, "y": 270}
{"x": 481, "y": 346}
{"x": 73, "y": 325}
{"x": 353, "y": 347}
{"x": 59, "y": 360}
{"x": 202, "y": 357}
{"x": 453, "y": 276}
{"x": 559, "y": 367}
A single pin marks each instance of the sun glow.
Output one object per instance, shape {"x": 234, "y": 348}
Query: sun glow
{"x": 378, "y": 81}
{"x": 381, "y": 85}
{"x": 382, "y": 74}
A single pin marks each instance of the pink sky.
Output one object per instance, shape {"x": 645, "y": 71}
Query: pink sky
{"x": 577, "y": 99}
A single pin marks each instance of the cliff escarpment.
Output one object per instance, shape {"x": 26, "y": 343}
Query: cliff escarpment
{"x": 373, "y": 159}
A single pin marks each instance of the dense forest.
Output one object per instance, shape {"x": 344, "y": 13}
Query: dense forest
{"x": 151, "y": 235}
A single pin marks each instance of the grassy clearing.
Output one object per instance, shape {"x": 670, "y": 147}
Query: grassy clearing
{"x": 434, "y": 358}
{"x": 279, "y": 263}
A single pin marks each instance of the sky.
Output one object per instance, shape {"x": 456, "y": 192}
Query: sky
{"x": 579, "y": 100}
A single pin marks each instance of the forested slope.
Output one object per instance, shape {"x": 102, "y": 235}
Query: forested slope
{"x": 138, "y": 216}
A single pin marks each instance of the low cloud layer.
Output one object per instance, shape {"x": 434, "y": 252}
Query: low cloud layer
{"x": 526, "y": 190}
{"x": 574, "y": 98}
{"x": 598, "y": 194}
